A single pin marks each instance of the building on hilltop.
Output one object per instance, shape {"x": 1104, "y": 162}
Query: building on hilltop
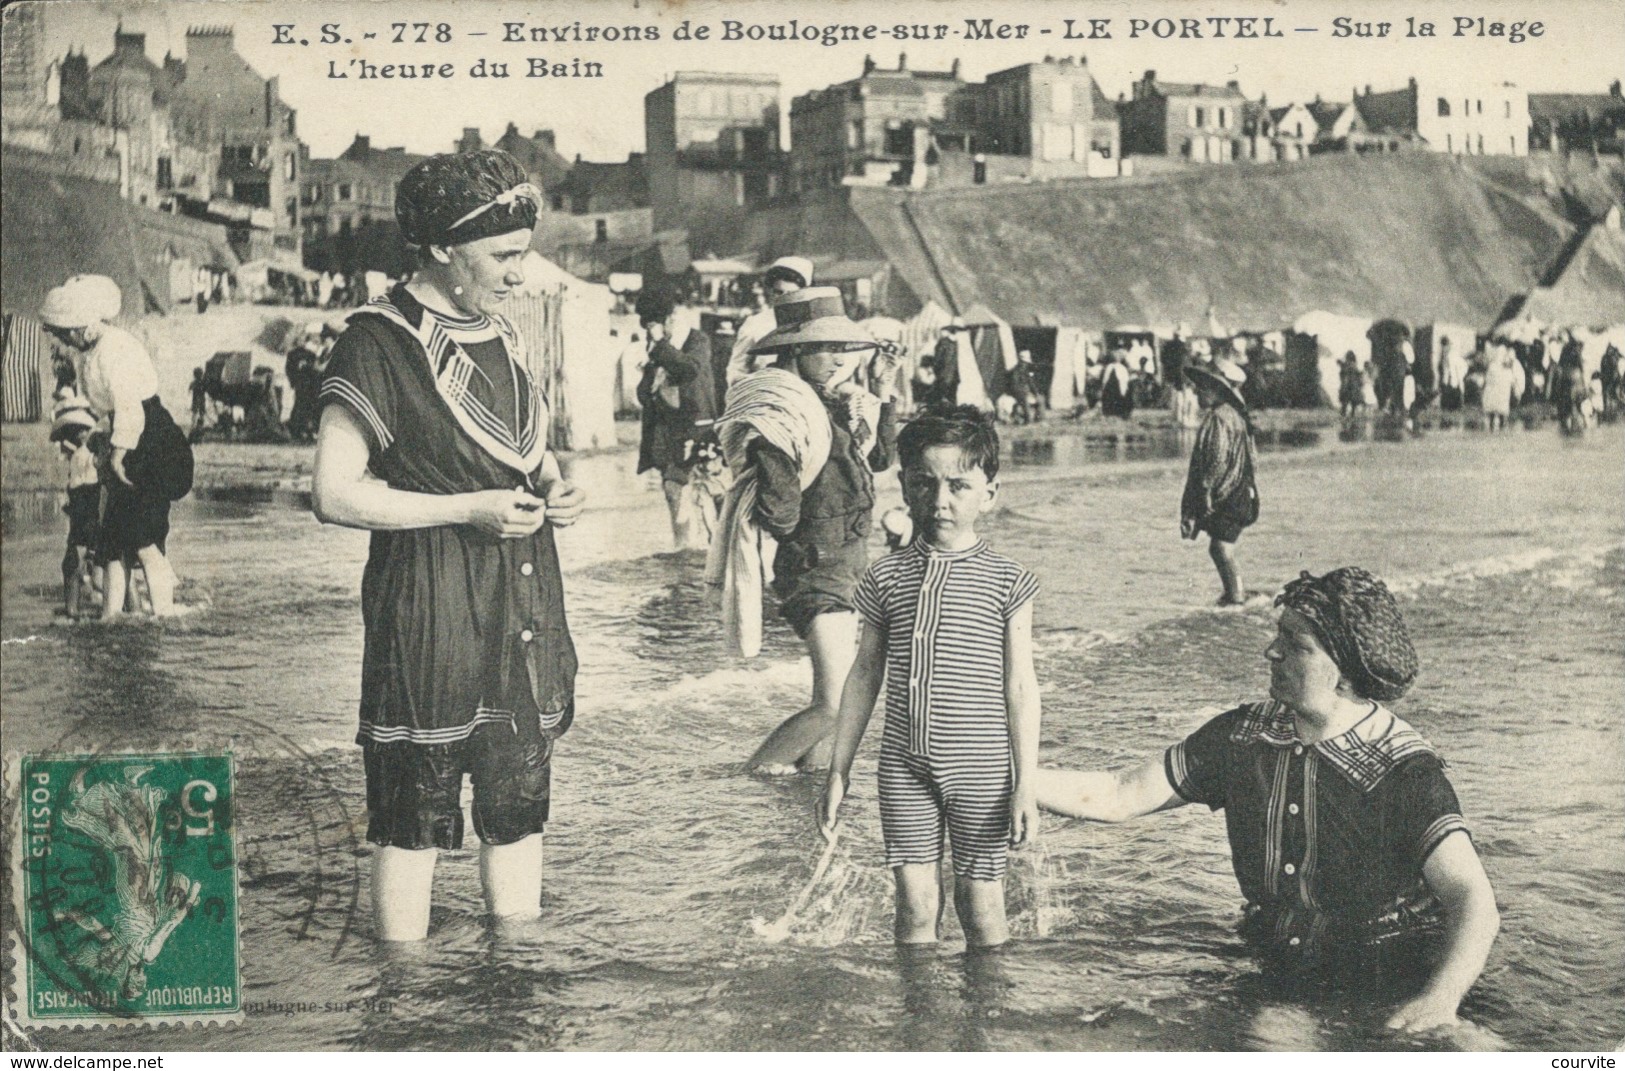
{"x": 1053, "y": 114}
{"x": 1188, "y": 120}
{"x": 1585, "y": 122}
{"x": 873, "y": 129}
{"x": 221, "y": 95}
{"x": 712, "y": 140}
{"x": 348, "y": 206}
{"x": 538, "y": 155}
{"x": 1476, "y": 119}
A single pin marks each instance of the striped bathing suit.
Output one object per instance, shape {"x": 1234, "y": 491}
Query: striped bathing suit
{"x": 945, "y": 751}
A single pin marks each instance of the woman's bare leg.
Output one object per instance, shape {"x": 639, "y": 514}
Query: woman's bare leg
{"x": 832, "y": 643}
{"x": 511, "y": 875}
{"x": 401, "y": 881}
{"x": 160, "y": 580}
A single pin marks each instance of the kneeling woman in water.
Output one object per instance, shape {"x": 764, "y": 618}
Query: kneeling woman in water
{"x": 1345, "y": 833}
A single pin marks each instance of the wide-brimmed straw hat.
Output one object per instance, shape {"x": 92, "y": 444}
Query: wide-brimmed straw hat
{"x": 815, "y": 315}
{"x": 1221, "y": 373}
{"x": 81, "y": 301}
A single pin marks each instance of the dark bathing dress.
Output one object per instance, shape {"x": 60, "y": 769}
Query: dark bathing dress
{"x": 1328, "y": 840}
{"x": 468, "y": 663}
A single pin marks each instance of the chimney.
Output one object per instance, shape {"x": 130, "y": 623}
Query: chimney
{"x": 868, "y": 64}
{"x": 1233, "y": 84}
{"x": 129, "y": 44}
{"x": 1411, "y": 83}
{"x": 954, "y": 70}
{"x": 902, "y": 61}
{"x": 1368, "y": 89}
{"x": 545, "y": 137}
{"x": 362, "y": 144}
{"x": 1613, "y": 88}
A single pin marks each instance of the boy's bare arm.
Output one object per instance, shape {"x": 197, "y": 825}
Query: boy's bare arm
{"x": 857, "y": 706}
{"x": 1023, "y": 709}
{"x": 858, "y": 698}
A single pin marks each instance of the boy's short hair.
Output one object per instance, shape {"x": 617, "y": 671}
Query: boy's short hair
{"x": 964, "y": 426}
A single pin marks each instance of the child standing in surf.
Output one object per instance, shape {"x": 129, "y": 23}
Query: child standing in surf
{"x": 1221, "y": 493}
{"x": 948, "y": 624}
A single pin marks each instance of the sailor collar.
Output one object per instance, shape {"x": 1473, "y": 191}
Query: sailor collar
{"x": 522, "y": 448}
{"x": 1365, "y": 753}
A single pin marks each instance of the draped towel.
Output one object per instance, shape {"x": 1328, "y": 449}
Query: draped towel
{"x": 778, "y": 407}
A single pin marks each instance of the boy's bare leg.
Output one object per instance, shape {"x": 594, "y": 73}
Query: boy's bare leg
{"x": 919, "y": 903}
{"x": 401, "y": 882}
{"x": 511, "y": 875}
{"x": 980, "y": 905}
{"x": 832, "y": 643}
{"x": 1224, "y": 559}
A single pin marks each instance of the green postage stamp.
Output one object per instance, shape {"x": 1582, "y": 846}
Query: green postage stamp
{"x": 125, "y": 875}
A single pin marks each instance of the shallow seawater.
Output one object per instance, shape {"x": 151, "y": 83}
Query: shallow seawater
{"x": 667, "y": 866}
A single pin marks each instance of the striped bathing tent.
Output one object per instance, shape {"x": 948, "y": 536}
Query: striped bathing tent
{"x": 27, "y": 362}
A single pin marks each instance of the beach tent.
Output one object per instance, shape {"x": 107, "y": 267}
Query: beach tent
{"x": 1335, "y": 334}
{"x": 565, "y": 323}
{"x": 1075, "y": 349}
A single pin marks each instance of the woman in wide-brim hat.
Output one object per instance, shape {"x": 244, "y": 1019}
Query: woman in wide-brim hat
{"x": 1221, "y": 489}
{"x": 150, "y": 462}
{"x": 821, "y": 520}
{"x": 433, "y": 436}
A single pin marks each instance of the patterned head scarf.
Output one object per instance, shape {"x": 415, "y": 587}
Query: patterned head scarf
{"x": 1357, "y": 621}
{"x": 463, "y": 197}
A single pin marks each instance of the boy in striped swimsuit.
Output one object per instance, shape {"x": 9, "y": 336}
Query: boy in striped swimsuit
{"x": 948, "y": 624}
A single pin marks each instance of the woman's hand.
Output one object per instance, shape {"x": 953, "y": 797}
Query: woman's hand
{"x": 1187, "y": 528}
{"x": 116, "y": 463}
{"x": 506, "y": 514}
{"x": 1427, "y": 1011}
{"x": 565, "y": 501}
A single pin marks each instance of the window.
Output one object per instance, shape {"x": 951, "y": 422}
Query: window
{"x": 1224, "y": 117}
{"x": 1512, "y": 144}
{"x": 1444, "y": 108}
{"x": 1508, "y": 104}
{"x": 854, "y": 134}
{"x": 1480, "y": 107}
{"x": 1198, "y": 117}
{"x": 287, "y": 166}
{"x": 1481, "y": 144}
{"x": 344, "y": 191}
{"x": 1448, "y": 147}
{"x": 1185, "y": 149}
{"x": 600, "y": 230}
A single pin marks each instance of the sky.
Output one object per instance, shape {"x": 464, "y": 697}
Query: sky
{"x": 1581, "y": 48}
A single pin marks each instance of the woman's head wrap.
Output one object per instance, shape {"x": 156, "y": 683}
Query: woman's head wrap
{"x": 81, "y": 301}
{"x": 1358, "y": 622}
{"x": 463, "y": 197}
